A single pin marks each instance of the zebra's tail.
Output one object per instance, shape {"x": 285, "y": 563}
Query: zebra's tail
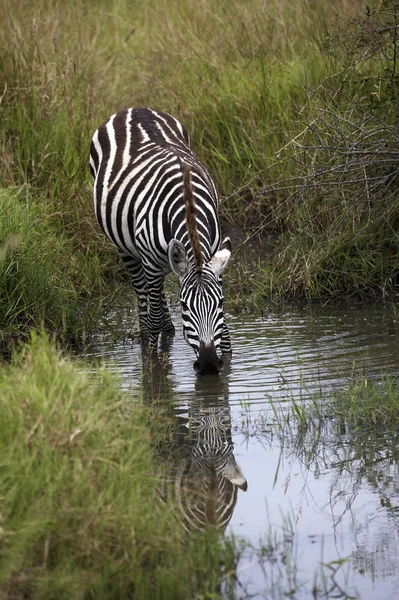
{"x": 191, "y": 215}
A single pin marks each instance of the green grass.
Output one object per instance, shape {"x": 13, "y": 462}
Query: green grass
{"x": 80, "y": 510}
{"x": 368, "y": 404}
{"x": 340, "y": 211}
{"x": 273, "y": 95}
{"x": 234, "y": 74}
{"x": 44, "y": 280}
{"x": 363, "y": 410}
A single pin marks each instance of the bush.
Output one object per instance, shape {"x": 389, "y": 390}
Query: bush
{"x": 340, "y": 213}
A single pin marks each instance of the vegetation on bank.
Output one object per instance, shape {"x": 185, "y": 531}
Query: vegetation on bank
{"x": 293, "y": 109}
{"x": 341, "y": 236}
{"x": 43, "y": 279}
{"x": 80, "y": 508}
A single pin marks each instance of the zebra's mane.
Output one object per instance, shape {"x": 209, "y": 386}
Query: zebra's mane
{"x": 191, "y": 216}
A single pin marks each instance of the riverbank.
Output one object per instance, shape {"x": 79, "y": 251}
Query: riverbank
{"x": 80, "y": 507}
{"x": 89, "y": 458}
{"x": 292, "y": 109}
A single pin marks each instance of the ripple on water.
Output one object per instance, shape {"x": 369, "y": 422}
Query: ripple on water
{"x": 342, "y": 500}
{"x": 280, "y": 354}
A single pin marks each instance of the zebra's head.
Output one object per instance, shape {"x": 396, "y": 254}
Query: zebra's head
{"x": 201, "y": 298}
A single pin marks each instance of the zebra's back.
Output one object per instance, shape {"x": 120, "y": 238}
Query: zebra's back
{"x": 136, "y": 160}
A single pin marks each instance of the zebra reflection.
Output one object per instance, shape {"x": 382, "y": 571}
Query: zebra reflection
{"x": 204, "y": 477}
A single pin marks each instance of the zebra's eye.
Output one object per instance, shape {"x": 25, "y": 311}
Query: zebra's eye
{"x": 220, "y": 305}
{"x": 184, "y": 305}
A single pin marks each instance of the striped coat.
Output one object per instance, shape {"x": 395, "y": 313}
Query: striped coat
{"x": 157, "y": 203}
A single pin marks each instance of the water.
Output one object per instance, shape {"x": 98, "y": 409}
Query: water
{"x": 302, "y": 502}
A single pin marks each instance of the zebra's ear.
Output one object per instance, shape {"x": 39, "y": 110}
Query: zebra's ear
{"x": 177, "y": 258}
{"x": 221, "y": 258}
{"x": 233, "y": 473}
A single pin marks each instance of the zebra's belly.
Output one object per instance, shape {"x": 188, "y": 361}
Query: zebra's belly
{"x": 117, "y": 225}
{"x": 132, "y": 249}
{"x": 155, "y": 256}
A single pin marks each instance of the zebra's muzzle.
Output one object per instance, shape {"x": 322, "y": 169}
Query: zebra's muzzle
{"x": 208, "y": 362}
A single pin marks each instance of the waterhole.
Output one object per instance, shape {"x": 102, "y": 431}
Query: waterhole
{"x": 317, "y": 508}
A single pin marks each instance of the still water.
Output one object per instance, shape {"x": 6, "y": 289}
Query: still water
{"x": 303, "y": 502}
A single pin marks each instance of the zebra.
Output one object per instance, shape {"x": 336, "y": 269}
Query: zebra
{"x": 157, "y": 203}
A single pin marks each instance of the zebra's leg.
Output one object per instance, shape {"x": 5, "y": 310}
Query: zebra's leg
{"x": 139, "y": 282}
{"x": 157, "y": 317}
{"x": 225, "y": 343}
{"x": 168, "y": 328}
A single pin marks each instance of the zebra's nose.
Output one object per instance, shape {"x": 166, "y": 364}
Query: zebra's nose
{"x": 208, "y": 362}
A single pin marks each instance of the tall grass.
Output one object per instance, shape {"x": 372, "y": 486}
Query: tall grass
{"x": 341, "y": 213}
{"x": 240, "y": 76}
{"x": 44, "y": 281}
{"x": 233, "y": 72}
{"x": 80, "y": 513}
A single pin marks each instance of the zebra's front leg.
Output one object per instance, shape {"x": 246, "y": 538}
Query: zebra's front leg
{"x": 142, "y": 306}
{"x": 139, "y": 283}
{"x": 158, "y": 316}
{"x": 168, "y": 327}
{"x": 225, "y": 343}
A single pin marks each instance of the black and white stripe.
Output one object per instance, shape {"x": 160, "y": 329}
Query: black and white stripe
{"x": 137, "y": 159}
{"x": 208, "y": 478}
{"x": 196, "y": 449}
